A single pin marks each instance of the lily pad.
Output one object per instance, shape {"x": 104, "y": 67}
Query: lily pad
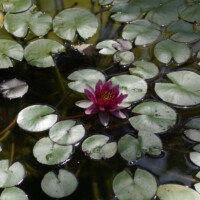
{"x": 105, "y": 2}
{"x": 49, "y": 153}
{"x": 106, "y": 47}
{"x": 154, "y": 117}
{"x": 82, "y": 78}
{"x": 72, "y": 20}
{"x": 13, "y": 88}
{"x": 194, "y": 123}
{"x": 142, "y": 31}
{"x": 146, "y": 5}
{"x": 134, "y": 86}
{"x": 197, "y": 148}
{"x": 18, "y": 24}
{"x": 124, "y": 58}
{"x": 198, "y": 175}
{"x": 144, "y": 69}
{"x": 11, "y": 175}
{"x": 142, "y": 187}
{"x": 39, "y": 52}
{"x": 97, "y": 147}
{"x": 37, "y": 118}
{"x": 9, "y": 50}
{"x": 13, "y": 193}
{"x": 197, "y": 187}
{"x": 167, "y": 50}
{"x": 66, "y": 132}
{"x": 178, "y": 192}
{"x": 195, "y": 158}
{"x": 61, "y": 185}
{"x": 183, "y": 91}
{"x": 15, "y": 6}
{"x": 193, "y": 134}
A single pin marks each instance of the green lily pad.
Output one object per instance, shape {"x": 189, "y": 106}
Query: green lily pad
{"x": 66, "y": 132}
{"x": 195, "y": 158}
{"x": 15, "y": 6}
{"x": 154, "y": 117}
{"x": 142, "y": 187}
{"x": 106, "y": 47}
{"x": 72, "y": 20}
{"x": 97, "y": 147}
{"x": 18, "y": 24}
{"x": 193, "y": 123}
{"x": 81, "y": 78}
{"x": 13, "y": 193}
{"x": 134, "y": 86}
{"x": 144, "y": 69}
{"x": 9, "y": 50}
{"x": 176, "y": 192}
{"x": 49, "y": 153}
{"x": 198, "y": 175}
{"x": 11, "y": 175}
{"x": 197, "y": 187}
{"x": 167, "y": 50}
{"x": 143, "y": 31}
{"x": 37, "y": 118}
{"x": 124, "y": 58}
{"x": 125, "y": 12}
{"x": 105, "y": 2}
{"x": 193, "y": 134}
{"x": 115, "y": 2}
{"x": 59, "y": 185}
{"x": 146, "y": 5}
{"x": 183, "y": 91}
{"x": 39, "y": 52}
{"x": 197, "y": 148}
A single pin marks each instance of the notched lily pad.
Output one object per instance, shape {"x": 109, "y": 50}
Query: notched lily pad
{"x": 124, "y": 58}
{"x": 13, "y": 193}
{"x": 13, "y": 88}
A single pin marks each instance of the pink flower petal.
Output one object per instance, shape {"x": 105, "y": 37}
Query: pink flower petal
{"x": 118, "y": 114}
{"x": 104, "y": 118}
{"x": 99, "y": 86}
{"x": 90, "y": 93}
{"x": 84, "y": 103}
{"x": 91, "y": 110}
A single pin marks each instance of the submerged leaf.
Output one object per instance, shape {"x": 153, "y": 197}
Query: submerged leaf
{"x": 13, "y": 193}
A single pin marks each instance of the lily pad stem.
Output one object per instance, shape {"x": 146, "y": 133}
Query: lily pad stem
{"x": 12, "y": 150}
{"x": 8, "y": 127}
{"x": 60, "y": 80}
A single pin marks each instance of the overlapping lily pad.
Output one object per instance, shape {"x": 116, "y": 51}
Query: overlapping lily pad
{"x": 9, "y": 50}
{"x": 106, "y": 47}
{"x": 13, "y": 193}
{"x": 61, "y": 185}
{"x": 81, "y": 78}
{"x": 39, "y": 52}
{"x": 153, "y": 117}
{"x": 183, "y": 91}
{"x": 147, "y": 5}
{"x": 197, "y": 148}
{"x": 124, "y": 58}
{"x": 72, "y": 20}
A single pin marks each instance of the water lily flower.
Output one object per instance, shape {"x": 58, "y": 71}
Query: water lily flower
{"x": 103, "y": 100}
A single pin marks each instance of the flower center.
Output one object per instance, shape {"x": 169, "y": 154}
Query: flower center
{"x": 107, "y": 96}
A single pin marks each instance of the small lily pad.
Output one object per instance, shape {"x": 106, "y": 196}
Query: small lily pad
{"x": 193, "y": 134}
{"x": 72, "y": 20}
{"x": 144, "y": 69}
{"x": 183, "y": 91}
{"x": 66, "y": 132}
{"x": 82, "y": 78}
{"x": 167, "y": 50}
{"x": 195, "y": 158}
{"x": 197, "y": 148}
{"x": 134, "y": 86}
{"x": 59, "y": 185}
{"x": 194, "y": 123}
{"x": 9, "y": 50}
{"x": 142, "y": 187}
{"x": 97, "y": 147}
{"x": 154, "y": 117}
{"x": 13, "y": 88}
{"x": 49, "y": 153}
{"x": 106, "y": 47}
{"x": 147, "y": 5}
{"x": 178, "y": 192}
{"x": 13, "y": 193}
{"x": 197, "y": 187}
{"x": 124, "y": 58}
{"x": 11, "y": 175}
{"x": 37, "y": 118}
{"x": 105, "y": 2}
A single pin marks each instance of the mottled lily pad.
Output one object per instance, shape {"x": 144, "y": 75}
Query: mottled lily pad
{"x": 124, "y": 58}
{"x": 13, "y": 193}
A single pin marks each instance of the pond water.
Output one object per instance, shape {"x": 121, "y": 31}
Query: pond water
{"x": 48, "y": 86}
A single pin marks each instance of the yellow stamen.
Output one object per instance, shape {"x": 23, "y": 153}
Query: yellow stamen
{"x": 106, "y": 96}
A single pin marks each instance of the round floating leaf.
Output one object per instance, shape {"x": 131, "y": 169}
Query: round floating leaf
{"x": 183, "y": 91}
{"x": 11, "y": 175}
{"x": 49, "y": 153}
{"x": 125, "y": 12}
{"x": 154, "y": 117}
{"x": 129, "y": 148}
{"x": 18, "y": 24}
{"x": 197, "y": 148}
{"x": 37, "y": 118}
{"x": 146, "y": 5}
{"x": 191, "y": 14}
{"x": 13, "y": 193}
{"x": 15, "y": 6}
{"x": 142, "y": 31}
{"x": 13, "y": 88}
{"x": 59, "y": 186}
{"x": 66, "y": 132}
{"x": 115, "y": 2}
{"x": 195, "y": 158}
{"x": 193, "y": 134}
{"x": 72, "y": 20}
{"x": 39, "y": 52}
{"x": 124, "y": 58}
{"x": 194, "y": 123}
{"x": 167, "y": 50}
{"x": 144, "y": 69}
{"x": 197, "y": 187}
{"x": 9, "y": 50}
{"x": 105, "y": 2}
{"x": 134, "y": 86}
{"x": 198, "y": 175}
{"x": 142, "y": 187}
{"x": 97, "y": 147}
{"x": 84, "y": 77}
{"x": 106, "y": 47}
{"x": 176, "y": 192}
